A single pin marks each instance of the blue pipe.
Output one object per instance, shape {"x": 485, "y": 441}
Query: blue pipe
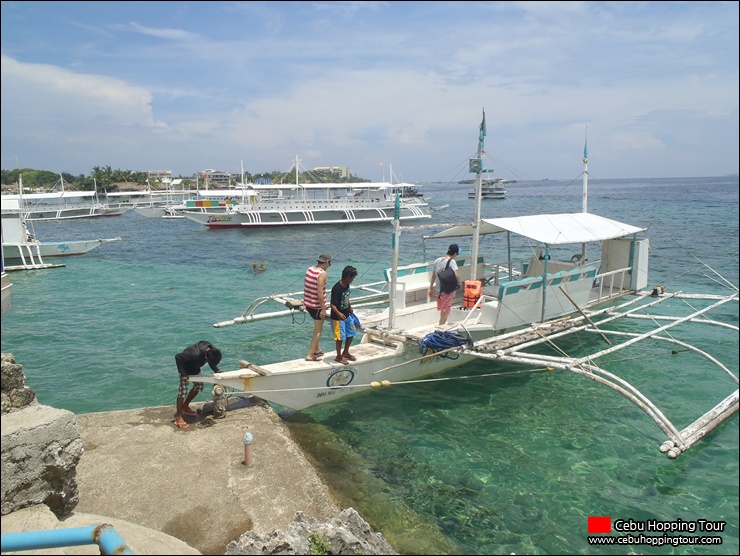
{"x": 104, "y": 536}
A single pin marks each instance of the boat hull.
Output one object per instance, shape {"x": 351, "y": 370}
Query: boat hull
{"x": 273, "y": 218}
{"x": 36, "y": 215}
{"x": 175, "y": 211}
{"x": 489, "y": 196}
{"x": 493, "y": 193}
{"x": 115, "y": 211}
{"x": 18, "y": 251}
{"x": 300, "y": 384}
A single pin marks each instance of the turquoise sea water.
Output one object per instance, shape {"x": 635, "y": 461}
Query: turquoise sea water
{"x": 468, "y": 464}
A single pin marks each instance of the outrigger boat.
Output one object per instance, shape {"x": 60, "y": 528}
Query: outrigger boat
{"x": 491, "y": 189}
{"x": 508, "y": 312}
{"x": 60, "y": 204}
{"x": 305, "y": 204}
{"x": 27, "y": 253}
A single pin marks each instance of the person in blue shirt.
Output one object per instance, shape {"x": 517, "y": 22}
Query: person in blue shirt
{"x": 189, "y": 362}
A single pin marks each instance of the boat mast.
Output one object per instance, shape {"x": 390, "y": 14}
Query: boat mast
{"x": 244, "y": 187}
{"x": 394, "y": 268}
{"x": 585, "y": 173}
{"x": 476, "y": 166}
{"x": 20, "y": 203}
{"x": 585, "y": 188}
{"x": 300, "y": 190}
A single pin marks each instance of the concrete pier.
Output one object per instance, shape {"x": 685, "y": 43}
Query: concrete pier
{"x": 192, "y": 485}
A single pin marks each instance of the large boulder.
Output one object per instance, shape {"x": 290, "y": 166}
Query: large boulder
{"x": 347, "y": 533}
{"x": 13, "y": 390}
{"x": 41, "y": 447}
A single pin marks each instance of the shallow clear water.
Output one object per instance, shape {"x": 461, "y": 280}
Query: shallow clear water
{"x": 467, "y": 464}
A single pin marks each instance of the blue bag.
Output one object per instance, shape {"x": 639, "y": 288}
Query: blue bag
{"x": 354, "y": 321}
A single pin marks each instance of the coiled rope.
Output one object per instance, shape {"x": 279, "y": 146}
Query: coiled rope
{"x": 443, "y": 341}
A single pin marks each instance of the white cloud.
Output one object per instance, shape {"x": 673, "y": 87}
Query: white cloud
{"x": 358, "y": 83}
{"x": 45, "y": 92}
{"x": 169, "y": 34}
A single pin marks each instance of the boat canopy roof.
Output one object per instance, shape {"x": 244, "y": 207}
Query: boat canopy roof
{"x": 147, "y": 193}
{"x": 212, "y": 193}
{"x": 374, "y": 186}
{"x": 551, "y": 229}
{"x": 61, "y": 195}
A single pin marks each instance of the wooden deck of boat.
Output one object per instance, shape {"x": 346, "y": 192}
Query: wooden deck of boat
{"x": 363, "y": 352}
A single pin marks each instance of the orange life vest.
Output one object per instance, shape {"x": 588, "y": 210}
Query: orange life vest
{"x": 472, "y": 293}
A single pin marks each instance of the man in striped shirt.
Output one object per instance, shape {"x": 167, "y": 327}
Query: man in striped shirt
{"x": 314, "y": 299}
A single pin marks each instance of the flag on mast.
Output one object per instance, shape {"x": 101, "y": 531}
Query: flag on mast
{"x": 482, "y": 130}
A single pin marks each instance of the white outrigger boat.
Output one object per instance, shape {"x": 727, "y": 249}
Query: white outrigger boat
{"x": 25, "y": 250}
{"x": 510, "y": 312}
{"x": 301, "y": 204}
{"x": 59, "y": 204}
{"x": 211, "y": 201}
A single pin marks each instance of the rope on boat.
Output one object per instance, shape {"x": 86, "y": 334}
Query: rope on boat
{"x": 443, "y": 342}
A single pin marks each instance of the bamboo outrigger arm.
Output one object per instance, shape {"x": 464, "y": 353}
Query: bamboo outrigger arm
{"x": 704, "y": 424}
{"x": 678, "y": 441}
{"x": 294, "y": 303}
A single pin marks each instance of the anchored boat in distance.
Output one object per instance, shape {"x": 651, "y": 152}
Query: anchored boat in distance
{"x": 314, "y": 203}
{"x": 26, "y": 252}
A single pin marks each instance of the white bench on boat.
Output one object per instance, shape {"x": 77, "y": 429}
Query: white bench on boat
{"x": 520, "y": 302}
{"x": 412, "y": 283}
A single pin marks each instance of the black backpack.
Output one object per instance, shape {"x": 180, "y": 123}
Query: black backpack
{"x": 447, "y": 279}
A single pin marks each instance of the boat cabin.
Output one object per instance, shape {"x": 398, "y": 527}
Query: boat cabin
{"x": 520, "y": 291}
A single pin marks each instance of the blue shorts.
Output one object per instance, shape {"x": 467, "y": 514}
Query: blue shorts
{"x": 344, "y": 329}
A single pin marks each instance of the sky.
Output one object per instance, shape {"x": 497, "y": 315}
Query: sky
{"x": 392, "y": 90}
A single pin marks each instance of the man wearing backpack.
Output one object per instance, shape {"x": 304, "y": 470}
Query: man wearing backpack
{"x": 447, "y": 284}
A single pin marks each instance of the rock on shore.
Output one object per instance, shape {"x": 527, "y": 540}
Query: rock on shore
{"x": 347, "y": 533}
